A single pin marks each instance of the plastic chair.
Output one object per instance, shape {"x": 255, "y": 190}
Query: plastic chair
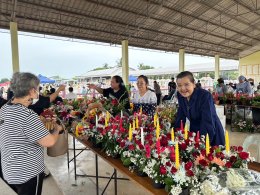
{"x": 253, "y": 140}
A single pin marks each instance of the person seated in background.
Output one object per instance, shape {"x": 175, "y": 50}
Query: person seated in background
{"x": 221, "y": 88}
{"x": 71, "y": 95}
{"x": 58, "y": 98}
{"x": 144, "y": 98}
{"x": 198, "y": 84}
{"x": 243, "y": 86}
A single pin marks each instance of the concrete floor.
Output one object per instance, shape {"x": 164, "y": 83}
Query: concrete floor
{"x": 86, "y": 164}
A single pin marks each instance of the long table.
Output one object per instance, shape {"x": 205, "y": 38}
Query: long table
{"x": 143, "y": 182}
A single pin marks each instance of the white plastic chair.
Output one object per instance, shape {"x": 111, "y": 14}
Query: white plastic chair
{"x": 253, "y": 140}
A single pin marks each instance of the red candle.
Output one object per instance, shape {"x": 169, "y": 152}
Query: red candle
{"x": 198, "y": 137}
{"x": 120, "y": 123}
{"x": 181, "y": 125}
{"x": 158, "y": 146}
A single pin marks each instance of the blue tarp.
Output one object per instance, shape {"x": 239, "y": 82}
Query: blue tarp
{"x": 44, "y": 79}
{"x": 132, "y": 78}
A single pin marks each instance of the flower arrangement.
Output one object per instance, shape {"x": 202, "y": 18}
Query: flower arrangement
{"x": 246, "y": 126}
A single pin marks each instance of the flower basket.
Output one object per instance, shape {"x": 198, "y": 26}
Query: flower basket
{"x": 95, "y": 142}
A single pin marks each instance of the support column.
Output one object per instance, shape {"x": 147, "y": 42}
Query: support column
{"x": 181, "y": 60}
{"x": 125, "y": 62}
{"x": 14, "y": 44}
{"x": 216, "y": 67}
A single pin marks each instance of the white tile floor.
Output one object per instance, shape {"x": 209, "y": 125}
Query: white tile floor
{"x": 86, "y": 164}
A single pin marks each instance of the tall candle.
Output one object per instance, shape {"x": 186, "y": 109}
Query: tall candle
{"x": 96, "y": 121}
{"x": 77, "y": 131}
{"x": 137, "y": 122}
{"x": 141, "y": 110}
{"x": 186, "y": 132}
{"x": 207, "y": 144}
{"x": 130, "y": 137}
{"x": 198, "y": 137}
{"x": 172, "y": 135}
{"x": 155, "y": 120}
{"x": 177, "y": 156}
{"x": 120, "y": 123}
{"x": 142, "y": 136}
{"x": 227, "y": 141}
{"x": 133, "y": 124}
{"x": 122, "y": 114}
{"x": 158, "y": 146}
{"x": 158, "y": 129}
{"x": 181, "y": 125}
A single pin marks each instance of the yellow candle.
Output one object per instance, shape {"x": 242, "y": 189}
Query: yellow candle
{"x": 227, "y": 141}
{"x": 77, "y": 131}
{"x": 155, "y": 120}
{"x": 133, "y": 124}
{"x": 207, "y": 144}
{"x": 186, "y": 132}
{"x": 172, "y": 135}
{"x": 177, "y": 156}
{"x": 137, "y": 123}
{"x": 158, "y": 129}
{"x": 141, "y": 110}
{"x": 130, "y": 133}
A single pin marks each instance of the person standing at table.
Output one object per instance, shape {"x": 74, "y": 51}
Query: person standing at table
{"x": 196, "y": 107}
{"x": 171, "y": 87}
{"x": 23, "y": 136}
{"x": 116, "y": 91}
{"x": 145, "y": 97}
{"x": 243, "y": 86}
{"x": 71, "y": 95}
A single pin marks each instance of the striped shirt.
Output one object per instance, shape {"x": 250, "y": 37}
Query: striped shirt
{"x": 22, "y": 157}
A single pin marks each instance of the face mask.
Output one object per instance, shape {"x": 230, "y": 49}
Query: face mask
{"x": 35, "y": 100}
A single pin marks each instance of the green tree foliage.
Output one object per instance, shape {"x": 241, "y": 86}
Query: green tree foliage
{"x": 105, "y": 66}
{"x": 142, "y": 66}
{"x": 4, "y": 80}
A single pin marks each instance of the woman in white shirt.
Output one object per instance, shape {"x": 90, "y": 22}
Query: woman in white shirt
{"x": 144, "y": 98}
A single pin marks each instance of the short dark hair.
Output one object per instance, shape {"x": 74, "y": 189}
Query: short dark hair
{"x": 70, "y": 89}
{"x": 172, "y": 78}
{"x": 220, "y": 80}
{"x": 186, "y": 74}
{"x": 144, "y": 78}
{"x": 52, "y": 90}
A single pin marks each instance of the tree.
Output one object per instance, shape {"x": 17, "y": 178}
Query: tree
{"x": 4, "y": 80}
{"x": 105, "y": 66}
{"x": 119, "y": 63}
{"x": 141, "y": 66}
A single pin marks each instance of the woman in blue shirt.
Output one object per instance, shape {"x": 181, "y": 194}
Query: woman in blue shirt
{"x": 197, "y": 105}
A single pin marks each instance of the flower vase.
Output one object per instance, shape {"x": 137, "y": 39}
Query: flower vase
{"x": 158, "y": 185}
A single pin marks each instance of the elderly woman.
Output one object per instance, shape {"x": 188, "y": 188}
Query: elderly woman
{"x": 144, "y": 98}
{"x": 23, "y": 136}
{"x": 244, "y": 86}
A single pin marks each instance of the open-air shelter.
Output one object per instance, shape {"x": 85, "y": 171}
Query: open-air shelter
{"x": 219, "y": 28}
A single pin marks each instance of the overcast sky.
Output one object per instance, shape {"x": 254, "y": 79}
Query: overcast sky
{"x": 67, "y": 59}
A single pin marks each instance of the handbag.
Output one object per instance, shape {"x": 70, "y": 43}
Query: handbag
{"x": 61, "y": 146}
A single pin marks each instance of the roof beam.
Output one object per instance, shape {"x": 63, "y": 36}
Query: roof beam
{"x": 132, "y": 26}
{"x": 164, "y": 21}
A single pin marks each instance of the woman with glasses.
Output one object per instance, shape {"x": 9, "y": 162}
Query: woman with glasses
{"x": 145, "y": 97}
{"x": 196, "y": 107}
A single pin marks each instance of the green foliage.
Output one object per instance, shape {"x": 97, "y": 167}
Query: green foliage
{"x": 3, "y": 80}
{"x": 105, "y": 66}
{"x": 256, "y": 101}
{"x": 142, "y": 66}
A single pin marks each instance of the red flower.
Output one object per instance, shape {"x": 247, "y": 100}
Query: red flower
{"x": 240, "y": 149}
{"x": 183, "y": 146}
{"x": 203, "y": 163}
{"x": 164, "y": 141}
{"x": 168, "y": 164}
{"x": 173, "y": 170}
{"x": 203, "y": 152}
{"x": 141, "y": 146}
{"x": 114, "y": 102}
{"x": 131, "y": 147}
{"x": 148, "y": 151}
{"x": 122, "y": 144}
{"x": 220, "y": 155}
{"x": 195, "y": 154}
{"x": 210, "y": 157}
{"x": 189, "y": 173}
{"x": 188, "y": 165}
{"x": 163, "y": 170}
{"x": 228, "y": 165}
{"x": 233, "y": 148}
{"x": 233, "y": 159}
{"x": 243, "y": 155}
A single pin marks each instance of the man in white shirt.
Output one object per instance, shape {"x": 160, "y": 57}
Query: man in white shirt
{"x": 71, "y": 95}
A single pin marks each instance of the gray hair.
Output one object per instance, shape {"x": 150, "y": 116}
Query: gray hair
{"x": 242, "y": 78}
{"x": 22, "y": 83}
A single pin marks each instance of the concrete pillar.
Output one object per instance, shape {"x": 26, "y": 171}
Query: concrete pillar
{"x": 125, "y": 62}
{"x": 15, "y": 48}
{"x": 181, "y": 60}
{"x": 216, "y": 67}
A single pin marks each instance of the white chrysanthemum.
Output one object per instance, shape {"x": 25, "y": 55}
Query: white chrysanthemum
{"x": 176, "y": 190}
{"x": 235, "y": 180}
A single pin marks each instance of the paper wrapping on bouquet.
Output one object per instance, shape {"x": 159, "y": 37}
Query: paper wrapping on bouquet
{"x": 61, "y": 146}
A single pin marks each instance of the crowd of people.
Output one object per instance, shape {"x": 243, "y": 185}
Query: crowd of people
{"x": 23, "y": 135}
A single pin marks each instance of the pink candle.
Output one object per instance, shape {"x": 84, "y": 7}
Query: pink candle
{"x": 120, "y": 123}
